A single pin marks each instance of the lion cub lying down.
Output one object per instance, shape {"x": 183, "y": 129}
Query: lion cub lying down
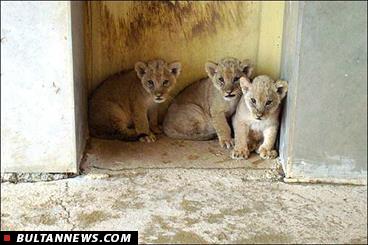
{"x": 256, "y": 120}
{"x": 203, "y": 109}
{"x": 123, "y": 107}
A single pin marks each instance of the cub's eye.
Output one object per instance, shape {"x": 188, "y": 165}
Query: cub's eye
{"x": 268, "y": 102}
{"x": 151, "y": 83}
{"x": 165, "y": 83}
{"x": 236, "y": 79}
{"x": 222, "y": 82}
{"x": 253, "y": 100}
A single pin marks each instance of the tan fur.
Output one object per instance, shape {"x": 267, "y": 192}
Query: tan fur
{"x": 256, "y": 123}
{"x": 125, "y": 105}
{"x": 202, "y": 110}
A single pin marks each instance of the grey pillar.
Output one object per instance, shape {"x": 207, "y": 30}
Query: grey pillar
{"x": 43, "y": 99}
{"x": 324, "y": 125}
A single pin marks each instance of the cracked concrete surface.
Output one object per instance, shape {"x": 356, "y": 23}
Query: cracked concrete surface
{"x": 191, "y": 206}
{"x": 186, "y": 192}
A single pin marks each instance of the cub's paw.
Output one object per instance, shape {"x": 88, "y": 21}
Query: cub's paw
{"x": 267, "y": 154}
{"x": 148, "y": 138}
{"x": 253, "y": 146}
{"x": 226, "y": 143}
{"x": 240, "y": 153}
{"x": 157, "y": 129}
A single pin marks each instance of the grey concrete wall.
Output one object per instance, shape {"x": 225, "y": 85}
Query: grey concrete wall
{"x": 38, "y": 132}
{"x": 324, "y": 130}
{"x": 80, "y": 85}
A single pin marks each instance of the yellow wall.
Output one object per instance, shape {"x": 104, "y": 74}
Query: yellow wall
{"x": 121, "y": 33}
{"x": 270, "y": 38}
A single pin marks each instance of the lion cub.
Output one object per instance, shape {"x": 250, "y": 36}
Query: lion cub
{"x": 256, "y": 120}
{"x": 203, "y": 109}
{"x": 124, "y": 106}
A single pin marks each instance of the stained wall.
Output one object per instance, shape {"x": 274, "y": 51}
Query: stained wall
{"x": 121, "y": 33}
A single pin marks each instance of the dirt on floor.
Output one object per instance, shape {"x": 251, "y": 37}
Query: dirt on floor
{"x": 191, "y": 206}
{"x": 177, "y": 191}
{"x": 164, "y": 153}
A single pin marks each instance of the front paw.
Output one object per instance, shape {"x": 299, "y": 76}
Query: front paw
{"x": 242, "y": 153}
{"x": 148, "y": 138}
{"x": 226, "y": 143}
{"x": 156, "y": 129}
{"x": 267, "y": 154}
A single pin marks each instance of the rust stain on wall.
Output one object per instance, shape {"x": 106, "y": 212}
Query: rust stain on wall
{"x": 189, "y": 31}
{"x": 190, "y": 18}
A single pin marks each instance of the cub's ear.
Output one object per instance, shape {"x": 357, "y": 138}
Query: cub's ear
{"x": 282, "y": 88}
{"x": 175, "y": 68}
{"x": 245, "y": 84}
{"x": 140, "y": 67}
{"x": 211, "y": 68}
{"x": 247, "y": 68}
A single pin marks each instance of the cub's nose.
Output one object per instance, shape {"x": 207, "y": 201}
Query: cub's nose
{"x": 229, "y": 91}
{"x": 259, "y": 116}
{"x": 158, "y": 94}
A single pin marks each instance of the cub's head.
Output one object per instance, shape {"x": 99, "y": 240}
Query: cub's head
{"x": 263, "y": 95}
{"x": 158, "y": 77}
{"x": 226, "y": 74}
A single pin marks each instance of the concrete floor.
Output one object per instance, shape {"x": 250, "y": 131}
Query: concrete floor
{"x": 214, "y": 204}
{"x": 164, "y": 153}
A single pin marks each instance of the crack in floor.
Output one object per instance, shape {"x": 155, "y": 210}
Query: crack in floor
{"x": 65, "y": 204}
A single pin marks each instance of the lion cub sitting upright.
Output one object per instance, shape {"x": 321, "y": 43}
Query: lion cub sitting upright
{"x": 123, "y": 107}
{"x": 256, "y": 120}
{"x": 203, "y": 109}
